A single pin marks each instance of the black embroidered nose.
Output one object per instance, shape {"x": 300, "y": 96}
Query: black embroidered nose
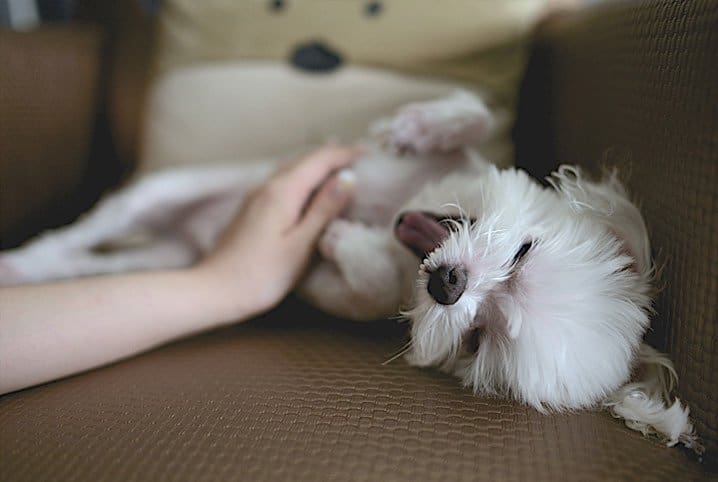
{"x": 315, "y": 57}
{"x": 447, "y": 284}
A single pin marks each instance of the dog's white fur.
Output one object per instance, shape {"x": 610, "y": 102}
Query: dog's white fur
{"x": 559, "y": 327}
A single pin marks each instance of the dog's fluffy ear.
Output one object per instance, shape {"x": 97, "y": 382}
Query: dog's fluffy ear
{"x": 646, "y": 404}
{"x": 608, "y": 202}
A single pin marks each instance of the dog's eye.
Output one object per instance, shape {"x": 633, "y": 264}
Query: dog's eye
{"x": 522, "y": 252}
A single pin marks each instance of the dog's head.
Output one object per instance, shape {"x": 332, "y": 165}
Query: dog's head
{"x": 538, "y": 293}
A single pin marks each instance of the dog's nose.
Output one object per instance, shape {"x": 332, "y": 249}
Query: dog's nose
{"x": 315, "y": 57}
{"x": 447, "y": 284}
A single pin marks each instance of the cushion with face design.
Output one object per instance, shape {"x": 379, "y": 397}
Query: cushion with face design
{"x": 459, "y": 39}
{"x": 264, "y": 77}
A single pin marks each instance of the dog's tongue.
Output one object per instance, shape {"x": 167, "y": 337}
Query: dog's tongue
{"x": 420, "y": 232}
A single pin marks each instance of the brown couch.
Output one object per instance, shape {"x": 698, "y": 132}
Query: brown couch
{"x": 299, "y": 396}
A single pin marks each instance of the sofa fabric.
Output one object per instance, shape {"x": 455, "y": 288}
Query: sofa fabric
{"x": 71, "y": 108}
{"x": 635, "y": 86}
{"x": 300, "y": 396}
{"x": 49, "y": 91}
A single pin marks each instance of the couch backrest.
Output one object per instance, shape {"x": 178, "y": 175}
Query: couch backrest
{"x": 635, "y": 85}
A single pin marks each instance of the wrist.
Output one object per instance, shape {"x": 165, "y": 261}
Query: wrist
{"x": 229, "y": 296}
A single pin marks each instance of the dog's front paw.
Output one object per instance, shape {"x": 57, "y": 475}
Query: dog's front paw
{"x": 440, "y": 126}
{"x": 337, "y": 231}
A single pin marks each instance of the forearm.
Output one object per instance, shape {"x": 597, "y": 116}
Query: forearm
{"x": 54, "y": 330}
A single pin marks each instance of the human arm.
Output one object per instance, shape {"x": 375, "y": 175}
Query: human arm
{"x": 54, "y": 330}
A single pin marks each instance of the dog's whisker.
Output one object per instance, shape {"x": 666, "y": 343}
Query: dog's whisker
{"x": 400, "y": 317}
{"x": 402, "y": 351}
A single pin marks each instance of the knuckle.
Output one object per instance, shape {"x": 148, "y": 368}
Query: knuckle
{"x": 273, "y": 189}
{"x": 332, "y": 151}
{"x": 263, "y": 195}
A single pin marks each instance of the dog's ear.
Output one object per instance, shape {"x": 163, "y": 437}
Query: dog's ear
{"x": 608, "y": 202}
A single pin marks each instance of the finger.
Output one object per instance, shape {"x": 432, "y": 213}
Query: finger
{"x": 308, "y": 174}
{"x": 326, "y": 205}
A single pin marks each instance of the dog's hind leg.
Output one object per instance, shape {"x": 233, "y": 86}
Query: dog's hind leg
{"x": 154, "y": 203}
{"x": 359, "y": 276}
{"x": 444, "y": 125}
{"x": 165, "y": 253}
{"x": 326, "y": 288}
{"x": 154, "y": 207}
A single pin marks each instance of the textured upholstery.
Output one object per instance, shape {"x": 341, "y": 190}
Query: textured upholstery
{"x": 49, "y": 88}
{"x": 69, "y": 94}
{"x": 300, "y": 396}
{"x": 636, "y": 86}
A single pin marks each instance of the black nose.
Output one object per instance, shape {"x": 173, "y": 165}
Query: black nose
{"x": 315, "y": 57}
{"x": 447, "y": 284}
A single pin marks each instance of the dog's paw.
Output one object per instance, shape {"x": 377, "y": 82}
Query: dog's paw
{"x": 346, "y": 241}
{"x": 34, "y": 264}
{"x": 440, "y": 126}
{"x": 18, "y": 270}
{"x": 337, "y": 231}
{"x": 9, "y": 275}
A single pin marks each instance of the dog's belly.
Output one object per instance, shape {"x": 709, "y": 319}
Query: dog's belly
{"x": 385, "y": 182}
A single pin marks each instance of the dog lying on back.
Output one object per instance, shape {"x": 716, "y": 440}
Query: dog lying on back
{"x": 540, "y": 294}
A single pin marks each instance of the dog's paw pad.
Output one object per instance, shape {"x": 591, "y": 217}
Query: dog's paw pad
{"x": 412, "y": 130}
{"x": 440, "y": 126}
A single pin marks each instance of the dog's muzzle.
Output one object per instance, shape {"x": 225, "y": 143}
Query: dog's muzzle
{"x": 422, "y": 233}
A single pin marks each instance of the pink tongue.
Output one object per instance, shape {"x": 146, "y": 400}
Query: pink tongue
{"x": 420, "y": 232}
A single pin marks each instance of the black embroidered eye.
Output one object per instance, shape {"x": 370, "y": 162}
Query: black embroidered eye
{"x": 522, "y": 252}
{"x": 373, "y": 8}
{"x": 277, "y": 5}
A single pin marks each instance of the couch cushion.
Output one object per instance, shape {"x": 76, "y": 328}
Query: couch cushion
{"x": 49, "y": 87}
{"x": 300, "y": 396}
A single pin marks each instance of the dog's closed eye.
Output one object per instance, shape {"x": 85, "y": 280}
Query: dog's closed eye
{"x": 521, "y": 252}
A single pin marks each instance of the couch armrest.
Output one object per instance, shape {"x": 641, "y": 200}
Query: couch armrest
{"x": 635, "y": 85}
{"x": 49, "y": 89}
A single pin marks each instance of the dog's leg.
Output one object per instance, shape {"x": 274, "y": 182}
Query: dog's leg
{"x": 154, "y": 203}
{"x": 152, "y": 207}
{"x": 165, "y": 253}
{"x": 362, "y": 277}
{"x": 444, "y": 125}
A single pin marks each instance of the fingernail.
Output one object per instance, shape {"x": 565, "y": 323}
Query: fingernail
{"x": 347, "y": 177}
{"x": 344, "y": 184}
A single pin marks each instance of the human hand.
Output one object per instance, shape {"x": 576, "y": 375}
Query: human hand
{"x": 264, "y": 251}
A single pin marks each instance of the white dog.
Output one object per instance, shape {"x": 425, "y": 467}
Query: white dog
{"x": 524, "y": 291}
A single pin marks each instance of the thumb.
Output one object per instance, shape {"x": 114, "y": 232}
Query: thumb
{"x": 326, "y": 205}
